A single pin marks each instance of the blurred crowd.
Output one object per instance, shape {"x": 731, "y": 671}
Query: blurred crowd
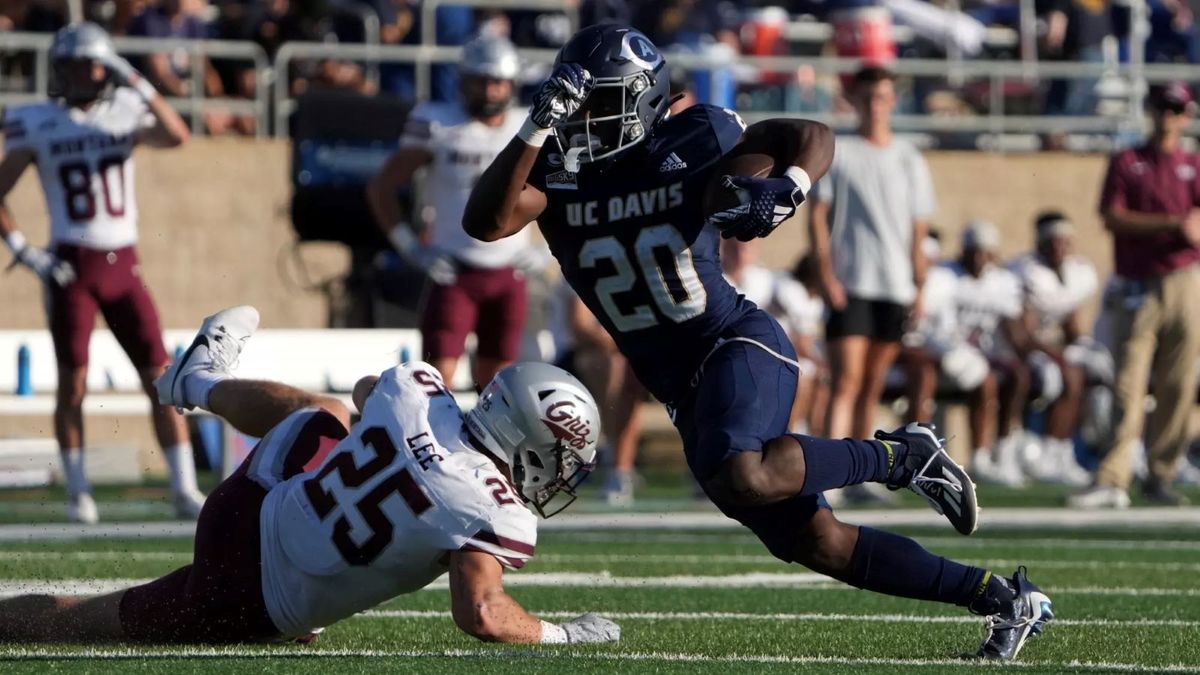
{"x": 872, "y": 30}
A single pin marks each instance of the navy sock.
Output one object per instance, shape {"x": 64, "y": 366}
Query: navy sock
{"x": 888, "y": 563}
{"x": 834, "y": 463}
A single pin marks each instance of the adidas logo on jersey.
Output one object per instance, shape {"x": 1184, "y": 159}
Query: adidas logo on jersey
{"x": 672, "y": 163}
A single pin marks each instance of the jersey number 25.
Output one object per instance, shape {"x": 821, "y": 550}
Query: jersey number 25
{"x": 666, "y": 266}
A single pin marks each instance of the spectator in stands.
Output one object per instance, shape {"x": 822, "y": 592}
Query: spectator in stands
{"x": 172, "y": 72}
{"x": 868, "y": 221}
{"x": 1149, "y": 203}
{"x": 586, "y": 350}
{"x": 971, "y": 325}
{"x": 1075, "y": 31}
{"x": 400, "y": 23}
{"x": 477, "y": 286}
{"x": 1173, "y": 33}
{"x": 41, "y": 16}
{"x": 1062, "y": 359}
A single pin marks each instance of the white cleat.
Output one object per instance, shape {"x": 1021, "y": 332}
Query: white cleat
{"x": 216, "y": 349}
{"x": 986, "y": 469}
{"x": 82, "y": 509}
{"x": 618, "y": 489}
{"x": 188, "y": 504}
{"x": 1099, "y": 497}
{"x": 1189, "y": 473}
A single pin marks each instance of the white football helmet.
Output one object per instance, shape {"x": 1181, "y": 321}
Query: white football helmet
{"x": 490, "y": 56}
{"x": 543, "y": 422}
{"x": 83, "y": 41}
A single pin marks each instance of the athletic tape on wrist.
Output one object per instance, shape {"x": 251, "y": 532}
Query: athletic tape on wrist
{"x": 16, "y": 242}
{"x": 800, "y": 178}
{"x": 143, "y": 87}
{"x": 532, "y": 134}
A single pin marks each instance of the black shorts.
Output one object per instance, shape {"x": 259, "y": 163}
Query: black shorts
{"x": 878, "y": 320}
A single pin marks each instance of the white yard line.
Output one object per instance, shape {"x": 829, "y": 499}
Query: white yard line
{"x": 730, "y": 539}
{"x": 1141, "y": 518}
{"x": 574, "y": 655}
{"x": 9, "y": 588}
{"x": 622, "y": 559}
{"x": 788, "y": 617}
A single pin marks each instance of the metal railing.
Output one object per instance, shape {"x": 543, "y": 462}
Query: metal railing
{"x": 272, "y": 82}
{"x": 195, "y": 104}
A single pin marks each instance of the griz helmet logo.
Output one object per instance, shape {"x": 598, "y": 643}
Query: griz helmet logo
{"x": 566, "y": 425}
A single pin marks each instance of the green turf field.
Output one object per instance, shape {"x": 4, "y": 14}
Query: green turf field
{"x": 1127, "y": 600}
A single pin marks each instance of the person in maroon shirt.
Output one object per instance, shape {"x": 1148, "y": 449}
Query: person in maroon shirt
{"x": 1149, "y": 204}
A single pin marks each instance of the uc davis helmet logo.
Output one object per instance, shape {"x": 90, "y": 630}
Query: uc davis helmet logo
{"x": 639, "y": 49}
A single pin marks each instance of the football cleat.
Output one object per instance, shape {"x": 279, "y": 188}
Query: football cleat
{"x": 1018, "y": 619}
{"x": 82, "y": 509}
{"x": 216, "y": 348}
{"x": 934, "y": 476}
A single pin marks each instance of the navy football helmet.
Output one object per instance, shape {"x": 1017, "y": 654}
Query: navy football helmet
{"x": 631, "y": 93}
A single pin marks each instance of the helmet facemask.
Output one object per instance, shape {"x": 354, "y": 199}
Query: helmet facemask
{"x": 611, "y": 120}
{"x": 74, "y": 82}
{"x": 558, "y": 493}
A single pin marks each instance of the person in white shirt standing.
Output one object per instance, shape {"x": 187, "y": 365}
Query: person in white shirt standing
{"x": 324, "y": 520}
{"x": 868, "y": 221}
{"x": 82, "y": 143}
{"x": 477, "y": 286}
{"x": 1063, "y": 359}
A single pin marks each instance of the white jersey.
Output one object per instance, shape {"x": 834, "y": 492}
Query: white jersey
{"x": 875, "y": 193}
{"x": 1052, "y": 296}
{"x": 783, "y": 298}
{"x": 969, "y": 310}
{"x": 462, "y": 148}
{"x": 378, "y": 517}
{"x": 84, "y": 159}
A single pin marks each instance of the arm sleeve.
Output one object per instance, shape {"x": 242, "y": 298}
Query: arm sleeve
{"x": 16, "y": 132}
{"x": 418, "y": 129}
{"x": 510, "y": 535}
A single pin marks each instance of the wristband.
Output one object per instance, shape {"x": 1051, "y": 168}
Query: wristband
{"x": 800, "y": 178}
{"x": 532, "y": 134}
{"x": 553, "y": 634}
{"x": 16, "y": 242}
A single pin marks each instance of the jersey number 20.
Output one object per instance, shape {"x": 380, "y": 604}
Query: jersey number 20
{"x": 666, "y": 266}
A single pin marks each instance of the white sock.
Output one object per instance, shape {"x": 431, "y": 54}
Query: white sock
{"x": 198, "y": 385}
{"x": 181, "y": 468}
{"x": 77, "y": 483}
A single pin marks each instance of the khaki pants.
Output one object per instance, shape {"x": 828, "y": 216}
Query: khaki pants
{"x": 1156, "y": 339}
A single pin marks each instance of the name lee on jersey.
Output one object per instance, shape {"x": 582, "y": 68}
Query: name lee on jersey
{"x": 632, "y": 205}
{"x": 80, "y": 144}
{"x": 424, "y": 453}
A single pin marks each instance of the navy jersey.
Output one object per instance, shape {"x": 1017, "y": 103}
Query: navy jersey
{"x": 632, "y": 241}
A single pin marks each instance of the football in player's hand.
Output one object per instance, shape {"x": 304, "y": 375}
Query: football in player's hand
{"x": 717, "y": 197}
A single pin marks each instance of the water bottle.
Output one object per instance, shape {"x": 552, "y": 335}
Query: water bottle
{"x": 24, "y": 375}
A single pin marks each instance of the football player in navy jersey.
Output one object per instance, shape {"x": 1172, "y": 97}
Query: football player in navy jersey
{"x": 619, "y": 195}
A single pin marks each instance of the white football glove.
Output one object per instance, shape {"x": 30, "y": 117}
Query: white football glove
{"x": 561, "y": 95}
{"x": 437, "y": 264}
{"x": 46, "y": 265}
{"x": 591, "y": 628}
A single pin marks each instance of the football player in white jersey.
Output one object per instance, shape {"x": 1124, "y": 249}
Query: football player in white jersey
{"x": 969, "y": 336}
{"x": 82, "y": 143}
{"x": 477, "y": 286}
{"x": 1063, "y": 359}
{"x": 324, "y": 520}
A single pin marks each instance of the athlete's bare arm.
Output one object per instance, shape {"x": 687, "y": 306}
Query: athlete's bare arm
{"x": 396, "y": 173}
{"x": 11, "y": 168}
{"x": 479, "y": 604}
{"x": 502, "y": 203}
{"x": 61, "y": 619}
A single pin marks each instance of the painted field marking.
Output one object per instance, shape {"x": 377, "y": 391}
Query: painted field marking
{"x": 24, "y": 653}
